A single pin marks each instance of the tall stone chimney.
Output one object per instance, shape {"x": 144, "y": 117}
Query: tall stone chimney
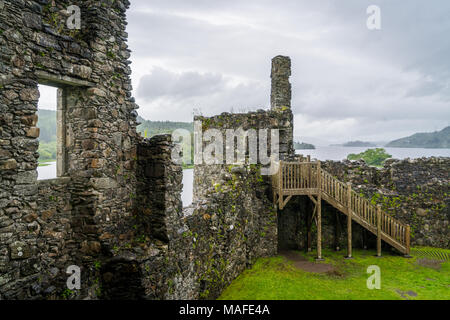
{"x": 280, "y": 95}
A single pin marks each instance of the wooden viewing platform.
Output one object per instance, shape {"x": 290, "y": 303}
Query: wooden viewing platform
{"x": 308, "y": 178}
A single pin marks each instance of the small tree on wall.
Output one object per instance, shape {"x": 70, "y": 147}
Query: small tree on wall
{"x": 373, "y": 157}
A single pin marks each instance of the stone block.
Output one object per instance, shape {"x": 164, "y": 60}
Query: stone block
{"x": 104, "y": 183}
{"x": 82, "y": 71}
{"x": 29, "y": 94}
{"x": 421, "y": 212}
{"x": 30, "y": 217}
{"x": 27, "y": 177}
{"x": 96, "y": 92}
{"x": 19, "y": 250}
{"x": 5, "y": 154}
{"x": 9, "y": 164}
{"x": 89, "y": 144}
{"x": 33, "y": 132}
{"x": 32, "y": 20}
{"x": 47, "y": 214}
{"x": 90, "y": 247}
{"x": 30, "y": 120}
{"x": 5, "y": 222}
{"x": 10, "y": 94}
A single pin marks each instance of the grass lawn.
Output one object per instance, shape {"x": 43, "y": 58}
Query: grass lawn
{"x": 277, "y": 278}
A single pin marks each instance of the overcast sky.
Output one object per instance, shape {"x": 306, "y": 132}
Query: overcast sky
{"x": 348, "y": 82}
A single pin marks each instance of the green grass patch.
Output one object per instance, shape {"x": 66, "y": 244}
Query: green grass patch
{"x": 44, "y": 163}
{"x": 431, "y": 253}
{"x": 276, "y": 278}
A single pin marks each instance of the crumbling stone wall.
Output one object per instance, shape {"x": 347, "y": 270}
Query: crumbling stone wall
{"x": 195, "y": 252}
{"x": 158, "y": 187}
{"x": 91, "y": 67}
{"x": 231, "y": 222}
{"x": 53, "y": 227}
{"x": 222, "y": 234}
{"x": 280, "y": 95}
{"x": 279, "y": 118}
{"x": 140, "y": 266}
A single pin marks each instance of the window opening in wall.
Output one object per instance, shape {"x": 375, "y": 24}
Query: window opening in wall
{"x": 48, "y": 140}
{"x": 187, "y": 145}
{"x": 188, "y": 186}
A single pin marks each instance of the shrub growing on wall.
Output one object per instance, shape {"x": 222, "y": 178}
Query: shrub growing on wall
{"x": 373, "y": 157}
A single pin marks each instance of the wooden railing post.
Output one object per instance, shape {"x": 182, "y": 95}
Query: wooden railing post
{"x": 309, "y": 182}
{"x": 319, "y": 226}
{"x": 319, "y": 175}
{"x": 379, "y": 230}
{"x": 319, "y": 213}
{"x": 280, "y": 185}
{"x": 349, "y": 220}
{"x": 407, "y": 234}
{"x": 309, "y": 217}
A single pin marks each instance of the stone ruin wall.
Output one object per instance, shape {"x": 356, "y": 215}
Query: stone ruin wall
{"x": 196, "y": 251}
{"x": 75, "y": 219}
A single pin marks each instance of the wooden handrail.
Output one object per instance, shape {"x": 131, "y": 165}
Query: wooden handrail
{"x": 300, "y": 177}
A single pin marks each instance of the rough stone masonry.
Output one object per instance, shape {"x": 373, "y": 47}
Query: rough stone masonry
{"x": 79, "y": 217}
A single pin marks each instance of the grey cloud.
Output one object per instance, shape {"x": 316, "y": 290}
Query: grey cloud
{"x": 162, "y": 83}
{"x": 175, "y": 96}
{"x": 345, "y": 77}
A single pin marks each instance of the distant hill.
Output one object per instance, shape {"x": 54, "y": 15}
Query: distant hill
{"x": 303, "y": 145}
{"x": 47, "y": 136}
{"x": 358, "y": 143}
{"x": 150, "y": 128}
{"x": 47, "y": 125}
{"x": 437, "y": 139}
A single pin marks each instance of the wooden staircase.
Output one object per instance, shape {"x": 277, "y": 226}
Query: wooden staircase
{"x": 308, "y": 178}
